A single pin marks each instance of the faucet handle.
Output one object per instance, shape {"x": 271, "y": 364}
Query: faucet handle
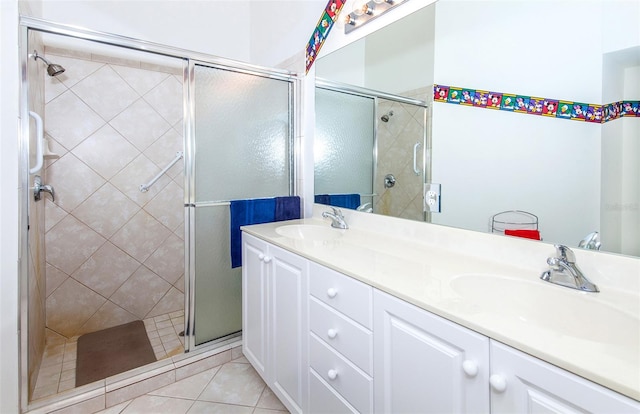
{"x": 337, "y": 212}
{"x": 38, "y": 187}
{"x": 564, "y": 253}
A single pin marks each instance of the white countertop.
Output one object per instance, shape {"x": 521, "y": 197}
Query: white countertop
{"x": 594, "y": 335}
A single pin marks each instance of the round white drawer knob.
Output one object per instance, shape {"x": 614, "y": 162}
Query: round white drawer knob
{"x": 267, "y": 259}
{"x": 261, "y": 256}
{"x": 331, "y": 292}
{"x": 498, "y": 383}
{"x": 332, "y": 374}
{"x": 470, "y": 368}
{"x": 332, "y": 333}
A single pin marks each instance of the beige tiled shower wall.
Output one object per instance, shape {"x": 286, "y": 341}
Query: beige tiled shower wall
{"x": 396, "y": 139}
{"x": 113, "y": 253}
{"x": 36, "y": 256}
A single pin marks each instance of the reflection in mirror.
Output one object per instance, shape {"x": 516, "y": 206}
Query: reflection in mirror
{"x": 344, "y": 149}
{"x": 369, "y": 151}
{"x": 576, "y": 177}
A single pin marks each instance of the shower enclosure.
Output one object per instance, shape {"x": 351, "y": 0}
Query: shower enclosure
{"x": 144, "y": 147}
{"x": 373, "y": 144}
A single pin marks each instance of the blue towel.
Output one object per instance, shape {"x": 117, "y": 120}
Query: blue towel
{"x": 351, "y": 201}
{"x": 287, "y": 208}
{"x": 323, "y": 199}
{"x": 243, "y": 213}
{"x": 258, "y": 211}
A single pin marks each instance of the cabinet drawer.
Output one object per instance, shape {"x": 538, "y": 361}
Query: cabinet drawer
{"x": 341, "y": 333}
{"x": 354, "y": 385}
{"x": 347, "y": 295}
{"x": 325, "y": 400}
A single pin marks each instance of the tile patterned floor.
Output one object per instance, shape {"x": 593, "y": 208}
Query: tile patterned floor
{"x": 58, "y": 367}
{"x": 232, "y": 388}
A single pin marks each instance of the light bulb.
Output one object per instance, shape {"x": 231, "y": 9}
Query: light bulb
{"x": 358, "y": 8}
{"x": 350, "y": 19}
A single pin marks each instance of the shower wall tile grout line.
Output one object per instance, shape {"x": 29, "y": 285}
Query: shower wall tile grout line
{"x": 130, "y": 229}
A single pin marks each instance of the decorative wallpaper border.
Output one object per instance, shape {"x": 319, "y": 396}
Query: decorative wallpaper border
{"x": 320, "y": 33}
{"x": 554, "y": 108}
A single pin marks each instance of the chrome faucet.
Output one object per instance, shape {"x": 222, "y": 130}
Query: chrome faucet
{"x": 366, "y": 207}
{"x": 591, "y": 241}
{"x": 337, "y": 219}
{"x": 39, "y": 187}
{"x": 563, "y": 271}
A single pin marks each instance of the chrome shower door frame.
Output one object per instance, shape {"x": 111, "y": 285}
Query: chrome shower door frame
{"x": 189, "y": 57}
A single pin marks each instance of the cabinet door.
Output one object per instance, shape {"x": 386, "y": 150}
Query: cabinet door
{"x": 521, "y": 383}
{"x": 254, "y": 303}
{"x": 424, "y": 363}
{"x": 288, "y": 331}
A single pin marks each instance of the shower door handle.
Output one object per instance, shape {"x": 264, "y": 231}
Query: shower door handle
{"x": 415, "y": 158}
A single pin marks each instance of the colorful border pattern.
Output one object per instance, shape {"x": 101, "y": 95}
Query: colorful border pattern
{"x": 531, "y": 105}
{"x": 320, "y": 33}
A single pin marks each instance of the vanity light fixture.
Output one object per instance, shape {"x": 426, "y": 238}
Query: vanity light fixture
{"x": 367, "y": 12}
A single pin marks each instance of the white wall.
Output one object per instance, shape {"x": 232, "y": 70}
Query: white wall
{"x": 620, "y": 213}
{"x": 346, "y": 65}
{"x": 281, "y": 28}
{"x": 620, "y": 26}
{"x": 620, "y": 198}
{"x": 400, "y": 58}
{"x": 395, "y": 60}
{"x": 338, "y": 39}
{"x": 620, "y": 204}
{"x": 259, "y": 32}
{"x": 9, "y": 81}
{"x": 213, "y": 27}
{"x": 490, "y": 161}
{"x": 552, "y": 50}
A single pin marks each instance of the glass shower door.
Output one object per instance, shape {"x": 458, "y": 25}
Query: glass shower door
{"x": 242, "y": 149}
{"x": 344, "y": 144}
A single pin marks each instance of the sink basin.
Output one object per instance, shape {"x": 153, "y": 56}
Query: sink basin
{"x": 537, "y": 303}
{"x": 309, "y": 232}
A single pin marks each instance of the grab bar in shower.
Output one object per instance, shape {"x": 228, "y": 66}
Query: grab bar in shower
{"x": 415, "y": 158}
{"x": 145, "y": 187}
{"x": 39, "y": 142}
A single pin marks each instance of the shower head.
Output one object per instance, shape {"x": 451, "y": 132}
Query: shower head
{"x": 52, "y": 68}
{"x": 385, "y": 117}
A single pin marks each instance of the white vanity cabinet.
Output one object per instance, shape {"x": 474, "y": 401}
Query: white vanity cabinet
{"x": 425, "y": 363}
{"x": 340, "y": 343}
{"x": 328, "y": 343}
{"x": 274, "y": 318}
{"x": 521, "y": 383}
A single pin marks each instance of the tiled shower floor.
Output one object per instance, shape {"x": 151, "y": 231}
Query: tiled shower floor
{"x": 58, "y": 367}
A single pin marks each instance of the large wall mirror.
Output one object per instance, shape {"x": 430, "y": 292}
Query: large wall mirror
{"x": 574, "y": 177}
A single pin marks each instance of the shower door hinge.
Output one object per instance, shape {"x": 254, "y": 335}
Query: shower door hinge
{"x": 432, "y": 198}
